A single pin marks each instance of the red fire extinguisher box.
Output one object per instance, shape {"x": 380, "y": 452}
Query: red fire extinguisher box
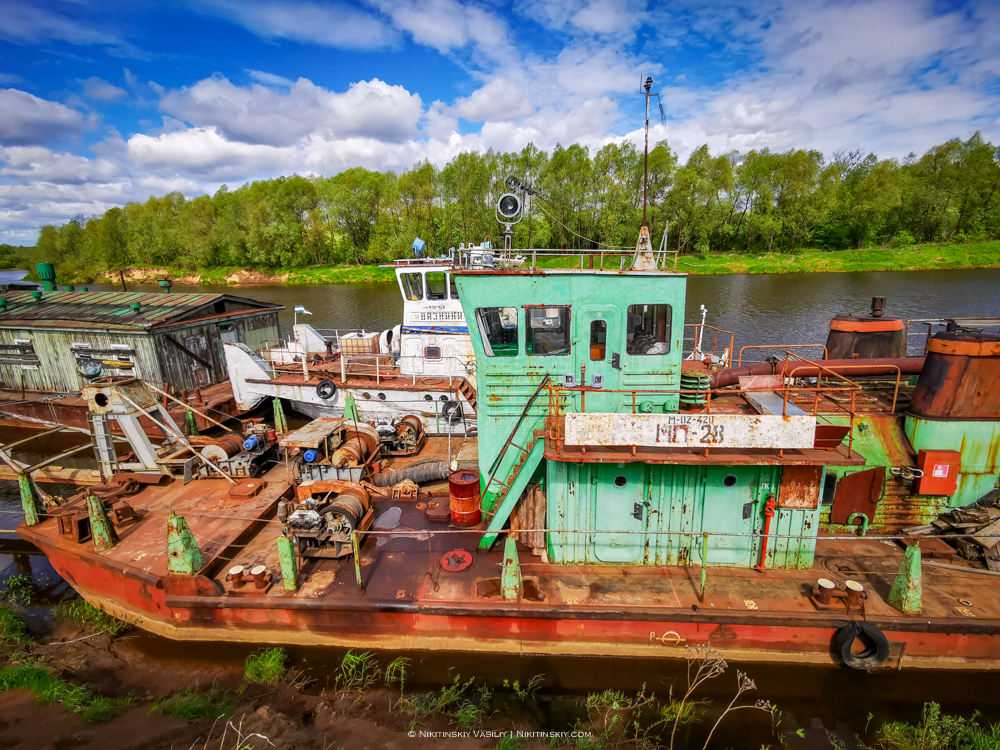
{"x": 941, "y": 469}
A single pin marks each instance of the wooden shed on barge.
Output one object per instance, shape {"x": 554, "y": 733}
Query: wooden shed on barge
{"x": 47, "y": 339}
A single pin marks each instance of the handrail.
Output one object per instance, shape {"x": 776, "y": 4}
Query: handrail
{"x": 739, "y": 361}
{"x": 510, "y": 438}
{"x": 899, "y": 376}
{"x": 697, "y": 342}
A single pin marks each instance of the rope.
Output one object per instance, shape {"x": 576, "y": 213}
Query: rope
{"x": 588, "y": 239}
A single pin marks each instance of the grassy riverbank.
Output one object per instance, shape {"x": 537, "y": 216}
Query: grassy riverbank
{"x": 914, "y": 258}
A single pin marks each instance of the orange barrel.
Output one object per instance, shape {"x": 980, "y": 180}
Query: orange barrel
{"x": 463, "y": 487}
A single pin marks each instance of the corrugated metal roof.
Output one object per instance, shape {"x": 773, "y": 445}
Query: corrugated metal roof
{"x": 109, "y": 309}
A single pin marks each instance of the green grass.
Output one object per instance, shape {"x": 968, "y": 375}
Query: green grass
{"x": 358, "y": 672}
{"x": 463, "y": 703}
{"x": 938, "y": 731}
{"x": 12, "y": 627}
{"x": 266, "y": 667}
{"x": 191, "y": 704}
{"x": 88, "y": 616}
{"x": 47, "y": 688}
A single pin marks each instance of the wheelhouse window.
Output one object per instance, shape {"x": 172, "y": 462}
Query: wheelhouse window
{"x": 413, "y": 286}
{"x": 648, "y": 330}
{"x": 598, "y": 340}
{"x": 437, "y": 285}
{"x": 548, "y": 331}
{"x": 454, "y": 286}
{"x": 432, "y": 352}
{"x": 498, "y": 329}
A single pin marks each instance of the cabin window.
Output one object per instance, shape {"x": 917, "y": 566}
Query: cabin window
{"x": 498, "y": 330}
{"x": 648, "y": 330}
{"x": 548, "y": 331}
{"x": 454, "y": 286}
{"x": 437, "y": 286}
{"x": 598, "y": 340}
{"x": 413, "y": 286}
{"x": 829, "y": 488}
{"x": 432, "y": 352}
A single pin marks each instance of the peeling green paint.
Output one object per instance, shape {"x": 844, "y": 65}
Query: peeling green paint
{"x": 183, "y": 556}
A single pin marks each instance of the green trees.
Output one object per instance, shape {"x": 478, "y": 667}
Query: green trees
{"x": 753, "y": 202}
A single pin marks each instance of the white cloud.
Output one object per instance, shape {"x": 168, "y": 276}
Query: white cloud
{"x": 10, "y": 78}
{"x": 25, "y": 119}
{"x": 269, "y": 79}
{"x": 447, "y": 25}
{"x": 621, "y": 17}
{"x": 206, "y": 154}
{"x": 498, "y": 101}
{"x": 329, "y": 24}
{"x": 261, "y": 115}
{"x": 98, "y": 88}
{"x": 44, "y": 165}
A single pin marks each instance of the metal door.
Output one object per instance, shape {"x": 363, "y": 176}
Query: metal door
{"x": 731, "y": 513}
{"x": 621, "y": 506}
{"x": 596, "y": 339}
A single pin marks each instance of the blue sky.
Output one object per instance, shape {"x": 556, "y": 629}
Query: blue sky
{"x": 103, "y": 102}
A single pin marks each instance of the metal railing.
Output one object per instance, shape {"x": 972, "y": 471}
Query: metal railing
{"x": 697, "y": 339}
{"x": 782, "y": 347}
{"x": 981, "y": 324}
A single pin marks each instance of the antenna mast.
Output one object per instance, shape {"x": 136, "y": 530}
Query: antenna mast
{"x": 645, "y": 167}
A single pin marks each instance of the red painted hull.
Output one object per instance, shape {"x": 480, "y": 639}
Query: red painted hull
{"x": 513, "y": 628}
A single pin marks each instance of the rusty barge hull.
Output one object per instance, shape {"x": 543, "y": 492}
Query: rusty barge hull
{"x": 528, "y": 629}
{"x": 409, "y": 602}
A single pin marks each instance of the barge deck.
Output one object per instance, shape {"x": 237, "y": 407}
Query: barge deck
{"x": 408, "y": 600}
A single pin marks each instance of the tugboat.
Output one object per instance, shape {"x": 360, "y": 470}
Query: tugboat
{"x": 422, "y": 368}
{"x": 618, "y": 499}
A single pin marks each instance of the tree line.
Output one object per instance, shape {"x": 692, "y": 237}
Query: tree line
{"x": 753, "y": 202}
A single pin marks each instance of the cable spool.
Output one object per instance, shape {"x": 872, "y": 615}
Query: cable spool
{"x": 408, "y": 429}
{"x": 347, "y": 510}
{"x": 224, "y": 447}
{"x": 357, "y": 450}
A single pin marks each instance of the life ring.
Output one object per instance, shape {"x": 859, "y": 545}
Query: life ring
{"x": 876, "y": 646}
{"x": 325, "y": 389}
{"x": 452, "y": 412}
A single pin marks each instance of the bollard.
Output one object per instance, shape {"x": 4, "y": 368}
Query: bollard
{"x": 100, "y": 526}
{"x": 864, "y": 522}
{"x": 511, "y": 585}
{"x": 29, "y": 500}
{"x": 289, "y": 568}
{"x": 280, "y": 423}
{"x": 190, "y": 423}
{"x": 183, "y": 556}
{"x": 906, "y": 594}
{"x": 356, "y": 546}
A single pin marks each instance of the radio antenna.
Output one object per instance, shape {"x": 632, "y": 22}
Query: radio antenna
{"x": 645, "y": 90}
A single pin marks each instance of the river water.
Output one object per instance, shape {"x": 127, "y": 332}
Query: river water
{"x": 788, "y": 309}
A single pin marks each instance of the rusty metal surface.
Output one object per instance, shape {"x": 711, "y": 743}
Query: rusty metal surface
{"x": 691, "y": 431}
{"x": 960, "y": 378}
{"x": 800, "y": 486}
{"x": 858, "y": 493}
{"x": 111, "y": 309}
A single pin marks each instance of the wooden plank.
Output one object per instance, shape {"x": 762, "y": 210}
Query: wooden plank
{"x": 988, "y": 536}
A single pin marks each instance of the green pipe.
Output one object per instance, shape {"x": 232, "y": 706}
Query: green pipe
{"x": 864, "y": 522}
{"x": 357, "y": 560}
{"x": 704, "y": 566}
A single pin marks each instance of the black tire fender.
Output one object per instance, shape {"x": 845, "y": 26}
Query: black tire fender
{"x": 325, "y": 389}
{"x": 876, "y": 646}
{"x": 452, "y": 412}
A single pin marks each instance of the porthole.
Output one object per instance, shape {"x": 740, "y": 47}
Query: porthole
{"x": 101, "y": 400}
{"x": 442, "y": 399}
{"x": 621, "y": 480}
{"x": 729, "y": 480}
{"x": 428, "y": 397}
{"x": 381, "y": 397}
{"x": 366, "y": 394}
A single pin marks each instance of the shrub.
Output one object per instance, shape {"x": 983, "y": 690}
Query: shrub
{"x": 266, "y": 667}
{"x": 12, "y": 627}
